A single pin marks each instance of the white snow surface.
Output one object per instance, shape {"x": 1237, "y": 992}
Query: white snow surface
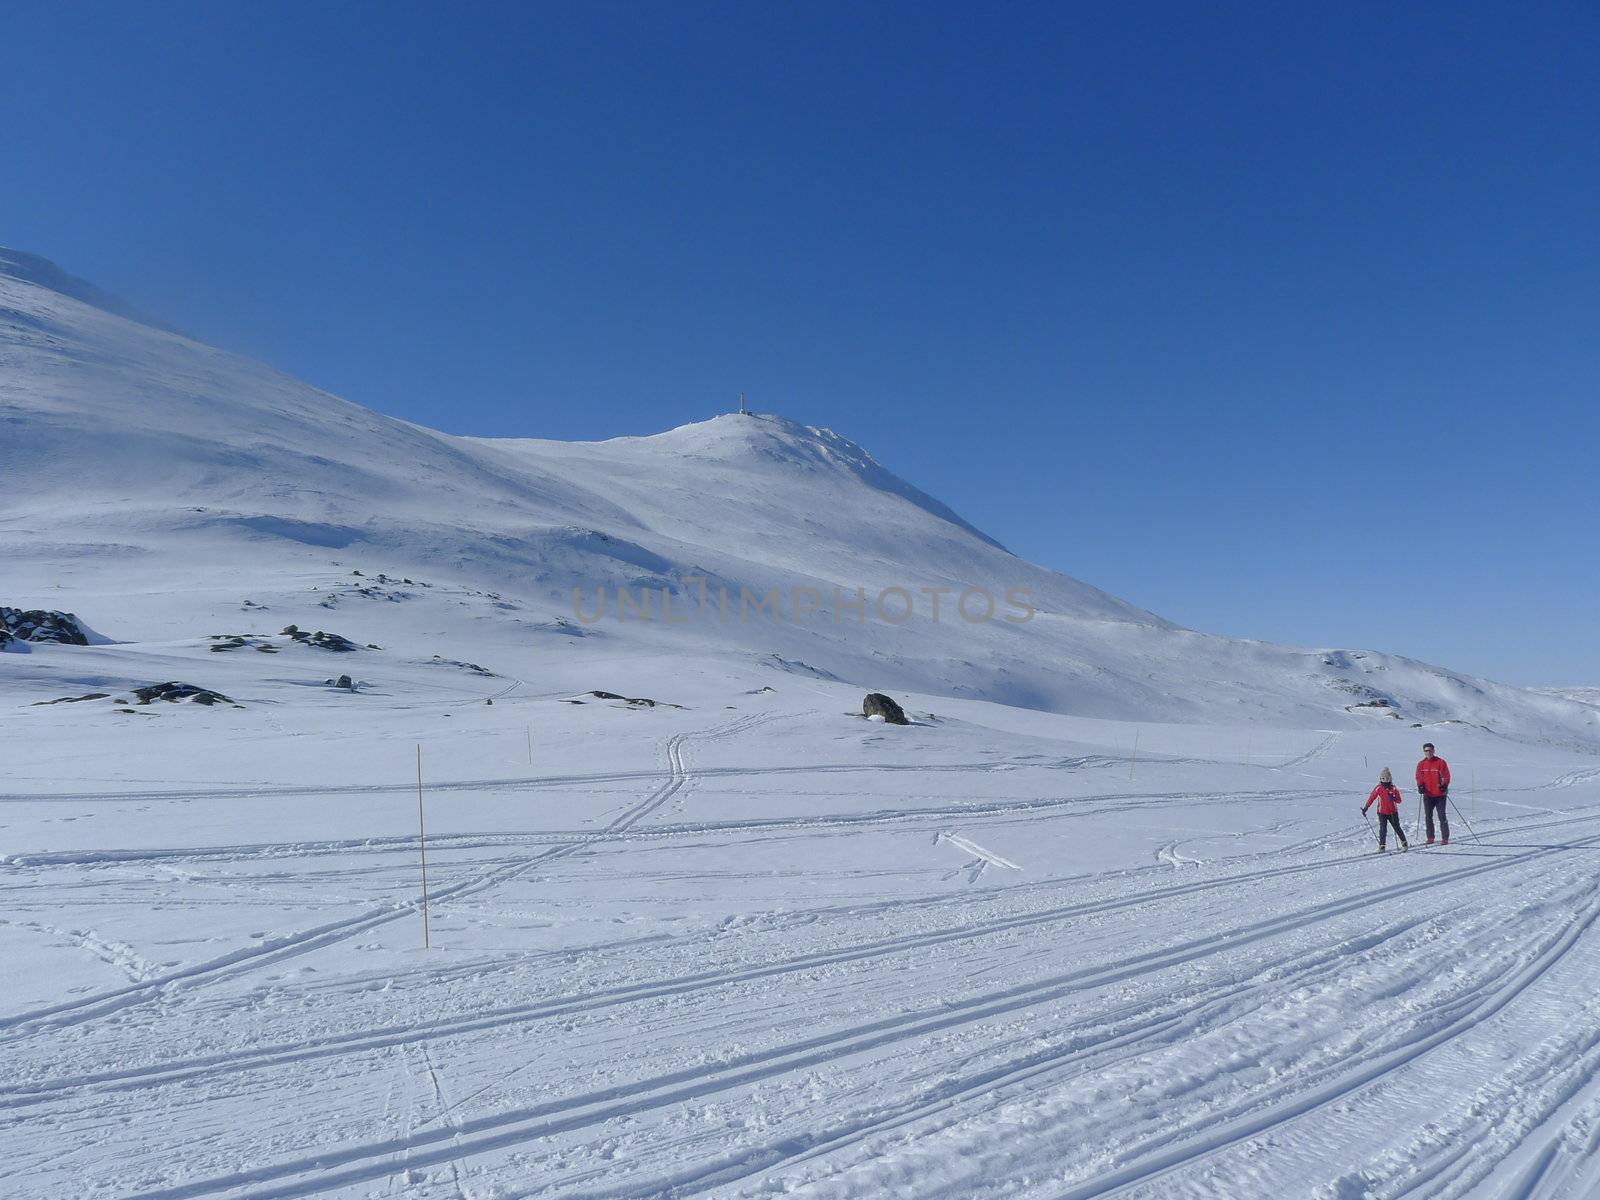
{"x": 1104, "y": 920}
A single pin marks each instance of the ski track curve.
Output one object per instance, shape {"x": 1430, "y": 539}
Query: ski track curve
{"x": 1316, "y": 751}
{"x": 291, "y": 945}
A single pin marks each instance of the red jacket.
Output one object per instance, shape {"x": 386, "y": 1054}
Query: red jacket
{"x": 1388, "y": 798}
{"x": 1433, "y": 776}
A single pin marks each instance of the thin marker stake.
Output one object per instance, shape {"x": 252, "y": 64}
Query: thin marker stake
{"x": 530, "y": 745}
{"x": 422, "y": 847}
{"x": 1135, "y": 757}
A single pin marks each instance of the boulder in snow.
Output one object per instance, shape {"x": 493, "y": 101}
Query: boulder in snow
{"x": 878, "y": 705}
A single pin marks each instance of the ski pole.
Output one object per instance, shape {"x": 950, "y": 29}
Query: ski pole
{"x": 1470, "y": 829}
{"x": 1368, "y": 819}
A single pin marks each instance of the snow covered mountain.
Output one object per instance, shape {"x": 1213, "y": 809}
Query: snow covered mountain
{"x": 1102, "y": 919}
{"x": 152, "y": 484}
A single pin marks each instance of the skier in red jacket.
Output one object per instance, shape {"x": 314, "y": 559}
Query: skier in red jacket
{"x": 1433, "y": 785}
{"x": 1387, "y": 797}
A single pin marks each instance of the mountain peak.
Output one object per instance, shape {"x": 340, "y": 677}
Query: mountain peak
{"x": 768, "y": 439}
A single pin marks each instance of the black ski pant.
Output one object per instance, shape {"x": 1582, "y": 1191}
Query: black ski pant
{"x": 1384, "y": 821}
{"x": 1441, "y": 805}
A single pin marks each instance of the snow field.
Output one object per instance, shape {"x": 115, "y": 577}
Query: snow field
{"x": 770, "y": 947}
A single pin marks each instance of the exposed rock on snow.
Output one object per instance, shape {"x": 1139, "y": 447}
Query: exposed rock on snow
{"x": 884, "y": 708}
{"x": 465, "y": 666}
{"x": 73, "y": 699}
{"x": 636, "y": 701}
{"x": 41, "y": 625}
{"x": 1379, "y": 708}
{"x": 238, "y": 641}
{"x": 325, "y": 641}
{"x": 378, "y": 587}
{"x": 562, "y": 625}
{"x": 175, "y": 692}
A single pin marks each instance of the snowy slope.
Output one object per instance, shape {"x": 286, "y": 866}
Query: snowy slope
{"x": 135, "y": 458}
{"x": 1583, "y": 695}
{"x": 1104, "y": 921}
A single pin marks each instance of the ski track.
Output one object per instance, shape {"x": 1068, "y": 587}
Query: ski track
{"x": 1091, "y": 804}
{"x": 990, "y": 1085}
{"x": 442, "y": 1137}
{"x": 1157, "y": 1162}
{"x": 355, "y": 1164}
{"x": 1316, "y": 751}
{"x": 1525, "y": 1146}
{"x": 1152, "y": 1160}
{"x": 291, "y": 945}
{"x": 539, "y": 782}
{"x": 15, "y": 1094}
{"x": 518, "y": 783}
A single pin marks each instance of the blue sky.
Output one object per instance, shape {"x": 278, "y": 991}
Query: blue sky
{"x": 1280, "y": 320}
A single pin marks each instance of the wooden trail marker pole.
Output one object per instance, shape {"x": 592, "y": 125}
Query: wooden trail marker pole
{"x": 1135, "y": 757}
{"x": 422, "y": 848}
{"x": 530, "y": 745}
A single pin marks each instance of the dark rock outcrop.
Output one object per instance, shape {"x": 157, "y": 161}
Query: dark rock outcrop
{"x": 465, "y": 666}
{"x": 878, "y": 705}
{"x": 41, "y": 625}
{"x": 636, "y": 701}
{"x": 175, "y": 693}
{"x": 224, "y": 642}
{"x": 324, "y": 641}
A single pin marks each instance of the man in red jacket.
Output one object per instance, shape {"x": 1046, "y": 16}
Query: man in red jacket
{"x": 1433, "y": 784}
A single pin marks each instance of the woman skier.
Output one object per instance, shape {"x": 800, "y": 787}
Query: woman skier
{"x": 1387, "y": 797}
